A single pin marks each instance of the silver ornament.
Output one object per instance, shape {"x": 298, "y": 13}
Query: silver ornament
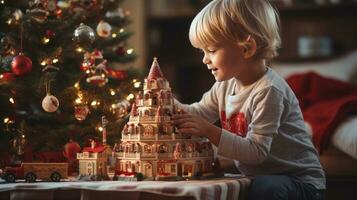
{"x": 84, "y": 34}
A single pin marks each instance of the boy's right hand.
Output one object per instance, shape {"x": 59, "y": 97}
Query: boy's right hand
{"x": 195, "y": 125}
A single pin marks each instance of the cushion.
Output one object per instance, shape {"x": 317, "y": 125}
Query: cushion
{"x": 343, "y": 68}
{"x": 345, "y": 137}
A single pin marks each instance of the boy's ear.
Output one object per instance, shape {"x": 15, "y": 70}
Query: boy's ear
{"x": 249, "y": 47}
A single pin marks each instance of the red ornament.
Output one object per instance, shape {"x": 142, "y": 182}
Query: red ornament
{"x": 120, "y": 51}
{"x": 7, "y": 76}
{"x": 50, "y": 33}
{"x": 21, "y": 65}
{"x": 70, "y": 150}
{"x": 81, "y": 112}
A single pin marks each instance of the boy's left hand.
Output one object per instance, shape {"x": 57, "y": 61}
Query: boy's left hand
{"x": 195, "y": 125}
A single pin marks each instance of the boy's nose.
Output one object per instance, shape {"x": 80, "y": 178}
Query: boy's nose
{"x": 205, "y": 60}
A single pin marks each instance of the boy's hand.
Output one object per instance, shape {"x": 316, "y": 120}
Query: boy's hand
{"x": 195, "y": 125}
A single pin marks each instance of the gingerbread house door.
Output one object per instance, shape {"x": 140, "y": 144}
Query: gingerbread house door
{"x": 148, "y": 170}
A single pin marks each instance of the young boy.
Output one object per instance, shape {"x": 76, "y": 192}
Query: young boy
{"x": 263, "y": 129}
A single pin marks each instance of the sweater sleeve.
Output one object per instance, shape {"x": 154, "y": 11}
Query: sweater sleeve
{"x": 266, "y": 109}
{"x": 207, "y": 107}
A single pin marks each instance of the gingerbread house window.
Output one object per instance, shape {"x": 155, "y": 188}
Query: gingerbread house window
{"x": 163, "y": 148}
{"x": 146, "y": 112}
{"x": 153, "y": 83}
{"x": 167, "y": 112}
{"x": 149, "y": 130}
{"x": 131, "y": 129}
{"x": 147, "y": 149}
{"x": 173, "y": 169}
{"x": 162, "y": 95}
{"x": 166, "y": 128}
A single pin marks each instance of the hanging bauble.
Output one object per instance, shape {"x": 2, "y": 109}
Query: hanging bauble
{"x": 21, "y": 65}
{"x": 50, "y": 34}
{"x": 120, "y": 51}
{"x": 104, "y": 29}
{"x": 81, "y": 112}
{"x": 7, "y": 76}
{"x": 84, "y": 34}
{"x": 50, "y": 103}
{"x": 71, "y": 148}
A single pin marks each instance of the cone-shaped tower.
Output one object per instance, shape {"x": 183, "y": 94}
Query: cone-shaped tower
{"x": 148, "y": 146}
{"x": 155, "y": 70}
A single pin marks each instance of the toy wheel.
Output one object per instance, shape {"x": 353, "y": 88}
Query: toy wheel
{"x": 10, "y": 178}
{"x": 55, "y": 177}
{"x": 30, "y": 177}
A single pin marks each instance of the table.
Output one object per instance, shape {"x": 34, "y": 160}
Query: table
{"x": 220, "y": 188}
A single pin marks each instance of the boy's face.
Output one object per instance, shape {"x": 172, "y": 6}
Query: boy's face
{"x": 224, "y": 60}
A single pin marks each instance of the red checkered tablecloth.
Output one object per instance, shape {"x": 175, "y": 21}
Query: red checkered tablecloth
{"x": 222, "y": 188}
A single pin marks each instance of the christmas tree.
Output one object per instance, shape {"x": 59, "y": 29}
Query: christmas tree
{"x": 63, "y": 66}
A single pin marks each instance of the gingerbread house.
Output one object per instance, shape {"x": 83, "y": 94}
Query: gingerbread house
{"x": 93, "y": 161}
{"x": 151, "y": 145}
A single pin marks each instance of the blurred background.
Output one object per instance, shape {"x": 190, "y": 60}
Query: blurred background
{"x": 312, "y": 31}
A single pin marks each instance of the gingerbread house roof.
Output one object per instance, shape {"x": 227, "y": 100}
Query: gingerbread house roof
{"x": 155, "y": 71}
{"x": 98, "y": 149}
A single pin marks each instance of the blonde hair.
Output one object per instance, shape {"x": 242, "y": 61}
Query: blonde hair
{"x": 236, "y": 21}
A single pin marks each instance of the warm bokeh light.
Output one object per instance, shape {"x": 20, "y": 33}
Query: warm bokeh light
{"x": 78, "y": 101}
{"x": 79, "y": 49}
{"x": 45, "y": 40}
{"x": 112, "y": 92}
{"x": 76, "y": 85}
{"x": 130, "y": 51}
{"x": 137, "y": 84}
{"x": 6, "y": 120}
{"x": 12, "y": 100}
{"x": 130, "y": 96}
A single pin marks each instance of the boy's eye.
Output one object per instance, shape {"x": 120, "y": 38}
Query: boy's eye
{"x": 211, "y": 50}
